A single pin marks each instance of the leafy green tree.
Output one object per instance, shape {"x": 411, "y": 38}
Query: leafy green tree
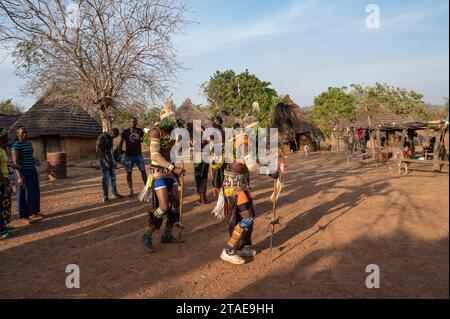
{"x": 150, "y": 116}
{"x": 7, "y": 107}
{"x": 403, "y": 102}
{"x": 234, "y": 94}
{"x": 398, "y": 100}
{"x": 331, "y": 108}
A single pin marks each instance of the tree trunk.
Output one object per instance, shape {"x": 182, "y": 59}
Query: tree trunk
{"x": 372, "y": 142}
{"x": 106, "y": 120}
{"x": 337, "y": 138}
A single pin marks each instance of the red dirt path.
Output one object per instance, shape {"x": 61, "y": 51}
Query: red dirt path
{"x": 335, "y": 222}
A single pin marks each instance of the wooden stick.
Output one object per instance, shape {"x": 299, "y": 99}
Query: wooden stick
{"x": 274, "y": 215}
{"x": 181, "y": 207}
{"x": 181, "y": 194}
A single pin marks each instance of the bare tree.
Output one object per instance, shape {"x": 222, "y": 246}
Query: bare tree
{"x": 100, "y": 54}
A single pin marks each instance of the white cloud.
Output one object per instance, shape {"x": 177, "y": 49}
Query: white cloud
{"x": 204, "y": 41}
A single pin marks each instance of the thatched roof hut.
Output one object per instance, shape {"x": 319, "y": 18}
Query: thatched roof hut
{"x": 53, "y": 128}
{"x": 305, "y": 124}
{"x": 189, "y": 112}
{"x": 7, "y": 120}
{"x": 307, "y": 133}
{"x": 383, "y": 116}
{"x": 49, "y": 119}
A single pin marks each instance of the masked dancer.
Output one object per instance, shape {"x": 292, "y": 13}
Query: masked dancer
{"x": 235, "y": 201}
{"x": 166, "y": 201}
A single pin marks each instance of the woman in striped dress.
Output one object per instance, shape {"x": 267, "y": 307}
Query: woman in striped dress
{"x": 27, "y": 178}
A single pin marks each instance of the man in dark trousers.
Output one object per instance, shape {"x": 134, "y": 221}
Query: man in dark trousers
{"x": 107, "y": 163}
{"x": 133, "y": 138}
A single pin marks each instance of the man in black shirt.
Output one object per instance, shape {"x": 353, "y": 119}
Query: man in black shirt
{"x": 106, "y": 162}
{"x": 133, "y": 138}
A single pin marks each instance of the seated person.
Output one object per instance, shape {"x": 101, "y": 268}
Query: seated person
{"x": 407, "y": 150}
{"x": 430, "y": 148}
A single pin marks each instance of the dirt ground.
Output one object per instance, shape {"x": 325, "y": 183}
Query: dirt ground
{"x": 335, "y": 222}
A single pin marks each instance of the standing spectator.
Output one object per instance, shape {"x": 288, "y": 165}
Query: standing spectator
{"x": 27, "y": 178}
{"x": 201, "y": 171}
{"x": 107, "y": 163}
{"x": 5, "y": 187}
{"x": 133, "y": 138}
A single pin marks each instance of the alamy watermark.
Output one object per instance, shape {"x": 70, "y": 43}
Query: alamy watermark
{"x": 373, "y": 20}
{"x": 73, "y": 279}
{"x": 247, "y": 146}
{"x": 373, "y": 280}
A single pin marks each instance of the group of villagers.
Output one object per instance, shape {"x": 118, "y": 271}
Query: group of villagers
{"x": 230, "y": 180}
{"x": 230, "y": 177}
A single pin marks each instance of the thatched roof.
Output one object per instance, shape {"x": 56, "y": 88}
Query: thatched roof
{"x": 7, "y": 120}
{"x": 382, "y": 116}
{"x": 304, "y": 123}
{"x": 46, "y": 118}
{"x": 188, "y": 112}
{"x": 416, "y": 125}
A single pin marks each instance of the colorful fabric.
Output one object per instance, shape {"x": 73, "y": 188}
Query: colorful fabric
{"x": 28, "y": 195}
{"x": 164, "y": 183}
{"x": 234, "y": 183}
{"x": 25, "y": 149}
{"x": 239, "y": 208}
{"x": 5, "y": 205}
{"x": 108, "y": 177}
{"x": 137, "y": 160}
{"x": 235, "y": 237}
{"x": 242, "y": 214}
{"x": 4, "y": 163}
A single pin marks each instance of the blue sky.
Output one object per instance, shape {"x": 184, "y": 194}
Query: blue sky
{"x": 305, "y": 46}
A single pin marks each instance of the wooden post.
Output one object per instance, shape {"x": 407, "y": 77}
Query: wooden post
{"x": 337, "y": 134}
{"x": 347, "y": 149}
{"x": 379, "y": 150}
{"x": 402, "y": 142}
{"x": 437, "y": 149}
{"x": 372, "y": 144}
{"x": 411, "y": 137}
